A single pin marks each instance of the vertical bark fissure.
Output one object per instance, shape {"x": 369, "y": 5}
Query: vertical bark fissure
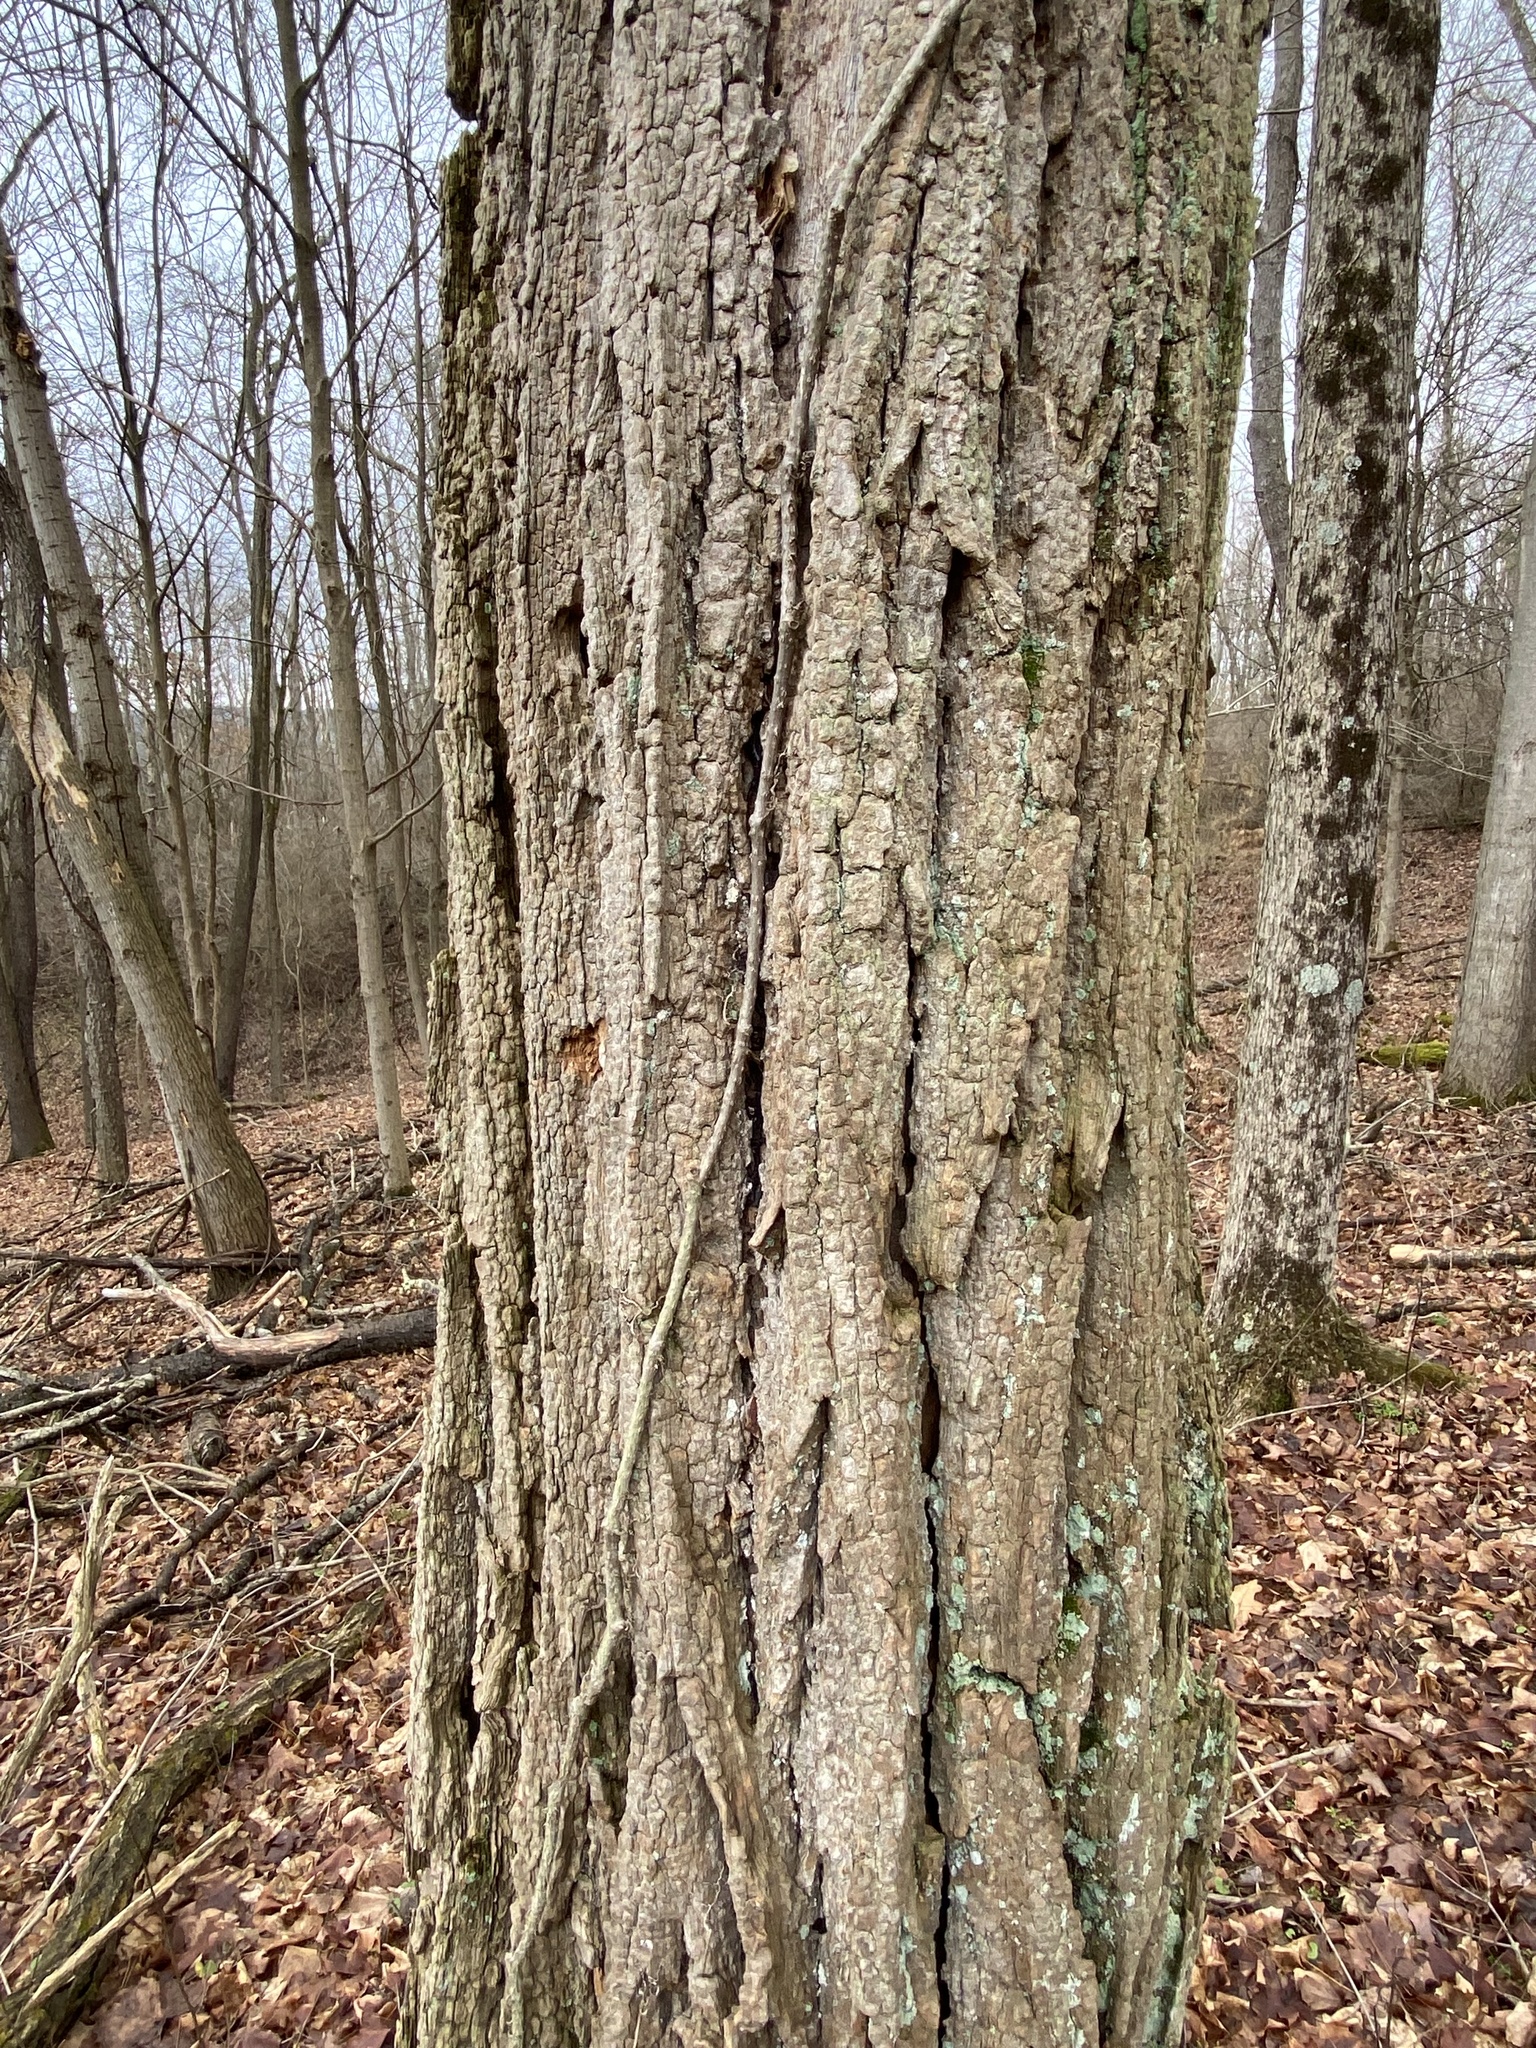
{"x": 838, "y": 1819}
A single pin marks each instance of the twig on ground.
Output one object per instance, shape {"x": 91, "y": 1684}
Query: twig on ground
{"x": 1522, "y": 1254}
{"x": 153, "y": 1596}
{"x": 35, "y": 2017}
{"x": 104, "y": 1517}
{"x": 150, "y": 1896}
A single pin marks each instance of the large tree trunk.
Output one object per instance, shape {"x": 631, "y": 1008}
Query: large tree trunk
{"x": 1493, "y": 1044}
{"x": 1272, "y": 1310}
{"x": 831, "y": 1684}
{"x": 340, "y": 625}
{"x": 1266, "y": 338}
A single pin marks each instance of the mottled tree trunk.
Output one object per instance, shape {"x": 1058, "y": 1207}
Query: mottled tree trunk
{"x": 1266, "y": 337}
{"x": 1272, "y": 1310}
{"x": 898, "y": 1731}
{"x": 1493, "y": 1044}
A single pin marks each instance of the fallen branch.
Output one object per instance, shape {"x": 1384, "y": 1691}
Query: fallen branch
{"x": 36, "y": 1260}
{"x": 1523, "y": 1254}
{"x": 377, "y": 1337}
{"x": 104, "y": 1518}
{"x": 68, "y": 1967}
{"x": 150, "y": 1896}
{"x": 1410, "y": 1054}
{"x": 128, "y": 1394}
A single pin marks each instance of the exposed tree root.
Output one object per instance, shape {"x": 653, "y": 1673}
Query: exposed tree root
{"x": 1274, "y": 1343}
{"x": 108, "y": 1881}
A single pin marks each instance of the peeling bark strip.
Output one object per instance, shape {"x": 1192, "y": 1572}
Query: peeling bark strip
{"x": 1272, "y": 1312}
{"x": 898, "y": 1728}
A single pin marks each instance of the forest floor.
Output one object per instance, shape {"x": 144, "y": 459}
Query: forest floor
{"x": 1377, "y": 1879}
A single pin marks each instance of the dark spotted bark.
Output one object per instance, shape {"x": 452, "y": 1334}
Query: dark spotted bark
{"x": 901, "y": 1734}
{"x": 1272, "y": 1311}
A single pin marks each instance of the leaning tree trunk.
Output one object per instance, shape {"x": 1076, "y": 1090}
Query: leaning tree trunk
{"x": 1493, "y": 1045}
{"x": 1272, "y": 1311}
{"x": 226, "y": 1192}
{"x": 105, "y": 756}
{"x": 806, "y": 1660}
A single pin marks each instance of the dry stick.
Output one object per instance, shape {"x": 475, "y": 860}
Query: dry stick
{"x": 791, "y": 494}
{"x": 122, "y": 1399}
{"x": 150, "y": 1896}
{"x": 153, "y": 1596}
{"x": 110, "y": 1878}
{"x": 1464, "y": 1255}
{"x": 104, "y": 1519}
{"x": 204, "y": 1318}
{"x": 127, "y": 1262}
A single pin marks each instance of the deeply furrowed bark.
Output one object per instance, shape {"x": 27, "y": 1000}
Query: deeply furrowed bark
{"x": 903, "y": 1729}
{"x": 1272, "y": 1315}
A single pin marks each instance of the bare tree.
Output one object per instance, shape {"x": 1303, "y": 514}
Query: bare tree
{"x": 1272, "y": 1312}
{"x": 100, "y": 826}
{"x": 23, "y": 629}
{"x": 1493, "y": 1045}
{"x": 341, "y": 626}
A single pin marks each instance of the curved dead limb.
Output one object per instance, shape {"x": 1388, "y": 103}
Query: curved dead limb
{"x": 104, "y": 1518}
{"x": 66, "y": 1970}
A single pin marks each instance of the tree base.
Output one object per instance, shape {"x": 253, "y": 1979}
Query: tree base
{"x": 1273, "y": 1342}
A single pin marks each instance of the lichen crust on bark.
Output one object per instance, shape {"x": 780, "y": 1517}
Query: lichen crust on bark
{"x": 904, "y": 1739}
